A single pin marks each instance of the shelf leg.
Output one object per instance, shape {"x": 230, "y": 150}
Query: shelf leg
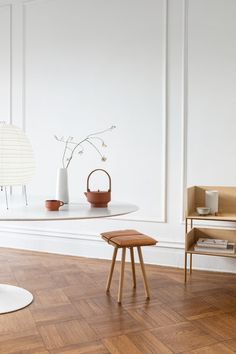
{"x": 191, "y": 263}
{"x": 185, "y": 266}
{"x": 186, "y": 226}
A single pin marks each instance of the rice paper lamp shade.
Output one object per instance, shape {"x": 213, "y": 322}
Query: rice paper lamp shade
{"x": 17, "y": 164}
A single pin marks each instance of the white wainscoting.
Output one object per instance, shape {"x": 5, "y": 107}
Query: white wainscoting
{"x": 5, "y": 63}
{"x": 163, "y": 71}
{"x": 83, "y": 75}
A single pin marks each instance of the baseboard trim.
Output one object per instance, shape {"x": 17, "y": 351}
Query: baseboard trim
{"x": 165, "y": 253}
{"x": 54, "y": 233}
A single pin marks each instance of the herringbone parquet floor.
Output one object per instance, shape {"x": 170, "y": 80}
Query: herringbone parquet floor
{"x": 72, "y": 314}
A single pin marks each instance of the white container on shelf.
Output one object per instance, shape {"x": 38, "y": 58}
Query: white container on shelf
{"x": 212, "y": 201}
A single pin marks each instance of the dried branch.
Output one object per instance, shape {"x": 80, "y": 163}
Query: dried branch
{"x": 71, "y": 145}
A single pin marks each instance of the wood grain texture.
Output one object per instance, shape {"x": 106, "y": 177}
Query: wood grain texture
{"x": 227, "y": 198}
{"x": 73, "y": 314}
{"x": 218, "y": 348}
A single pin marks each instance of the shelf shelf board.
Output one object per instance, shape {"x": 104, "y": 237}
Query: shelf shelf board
{"x": 191, "y": 250}
{"x": 218, "y": 217}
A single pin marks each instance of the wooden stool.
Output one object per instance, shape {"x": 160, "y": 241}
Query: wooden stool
{"x": 127, "y": 239}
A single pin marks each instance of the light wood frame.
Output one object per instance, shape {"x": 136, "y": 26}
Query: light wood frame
{"x": 227, "y": 212}
{"x": 122, "y": 270}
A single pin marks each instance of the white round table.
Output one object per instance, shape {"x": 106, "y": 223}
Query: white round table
{"x": 13, "y": 298}
{"x": 73, "y": 211}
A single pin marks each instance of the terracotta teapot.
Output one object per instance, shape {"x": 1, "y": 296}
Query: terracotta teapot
{"x": 98, "y": 199}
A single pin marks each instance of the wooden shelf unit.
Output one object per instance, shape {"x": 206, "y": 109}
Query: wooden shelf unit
{"x": 227, "y": 213}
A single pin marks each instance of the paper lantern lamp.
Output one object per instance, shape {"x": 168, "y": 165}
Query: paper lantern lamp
{"x": 16, "y": 157}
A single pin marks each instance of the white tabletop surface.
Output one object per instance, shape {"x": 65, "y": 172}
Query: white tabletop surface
{"x": 74, "y": 211}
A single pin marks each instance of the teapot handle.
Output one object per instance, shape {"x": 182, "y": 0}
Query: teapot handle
{"x": 99, "y": 169}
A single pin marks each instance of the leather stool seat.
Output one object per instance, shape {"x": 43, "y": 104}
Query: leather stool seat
{"x": 127, "y": 239}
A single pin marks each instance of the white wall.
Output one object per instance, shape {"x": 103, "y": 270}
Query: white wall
{"x": 162, "y": 71}
{"x": 5, "y": 62}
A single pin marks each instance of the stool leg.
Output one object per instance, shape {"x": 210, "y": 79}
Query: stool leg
{"x": 111, "y": 269}
{"x": 133, "y": 265}
{"x": 144, "y": 273}
{"x": 122, "y": 269}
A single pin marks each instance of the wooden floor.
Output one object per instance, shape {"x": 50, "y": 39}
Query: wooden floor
{"x": 71, "y": 312}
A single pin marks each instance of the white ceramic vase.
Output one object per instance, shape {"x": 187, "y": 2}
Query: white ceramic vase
{"x": 62, "y": 191}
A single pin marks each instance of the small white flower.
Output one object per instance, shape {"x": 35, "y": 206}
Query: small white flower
{"x": 69, "y": 141}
